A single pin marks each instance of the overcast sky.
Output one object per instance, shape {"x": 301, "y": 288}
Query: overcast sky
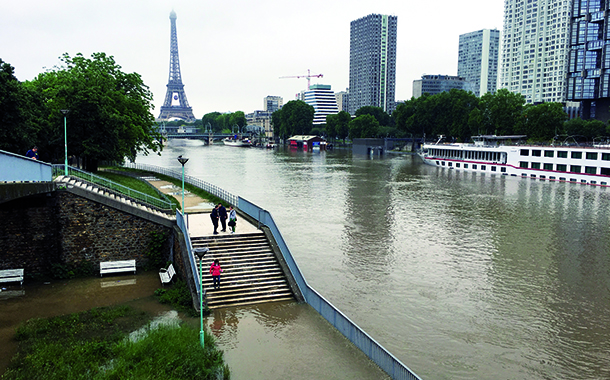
{"x": 233, "y": 52}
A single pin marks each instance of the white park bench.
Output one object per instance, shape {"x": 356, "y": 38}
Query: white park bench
{"x": 117, "y": 266}
{"x": 11, "y": 275}
{"x": 166, "y": 275}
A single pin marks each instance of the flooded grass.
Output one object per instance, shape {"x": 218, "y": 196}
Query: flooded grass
{"x": 95, "y": 344}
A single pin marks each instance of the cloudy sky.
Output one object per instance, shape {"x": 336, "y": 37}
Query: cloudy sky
{"x": 233, "y": 52}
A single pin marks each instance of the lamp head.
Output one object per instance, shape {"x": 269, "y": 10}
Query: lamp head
{"x": 65, "y": 112}
{"x": 200, "y": 252}
{"x": 182, "y": 160}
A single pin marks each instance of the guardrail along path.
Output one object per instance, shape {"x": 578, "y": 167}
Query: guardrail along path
{"x": 251, "y": 272}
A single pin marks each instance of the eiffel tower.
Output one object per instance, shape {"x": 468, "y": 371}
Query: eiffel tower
{"x": 175, "y": 88}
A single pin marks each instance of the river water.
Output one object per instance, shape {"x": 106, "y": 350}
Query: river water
{"x": 459, "y": 275}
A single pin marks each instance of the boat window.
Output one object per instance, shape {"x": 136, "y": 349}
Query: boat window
{"x": 548, "y": 166}
{"x": 606, "y": 156}
{"x": 494, "y": 168}
{"x": 562, "y": 154}
{"x": 603, "y": 183}
{"x": 562, "y": 178}
{"x": 604, "y": 171}
{"x": 590, "y": 170}
{"x": 474, "y": 166}
{"x": 523, "y": 164}
{"x": 523, "y": 174}
{"x": 551, "y": 177}
{"x": 536, "y": 152}
{"x": 575, "y": 168}
{"x": 503, "y": 170}
{"x": 542, "y": 177}
{"x": 457, "y": 164}
{"x": 593, "y": 182}
{"x": 583, "y": 181}
{"x": 450, "y": 164}
{"x": 576, "y": 154}
{"x": 535, "y": 165}
{"x": 561, "y": 168}
{"x": 443, "y": 163}
{"x": 465, "y": 166}
{"x": 549, "y": 153}
{"x": 533, "y": 175}
{"x": 572, "y": 179}
{"x": 591, "y": 155}
{"x": 483, "y": 167}
{"x": 525, "y": 152}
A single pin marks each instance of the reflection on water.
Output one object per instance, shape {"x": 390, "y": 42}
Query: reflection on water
{"x": 460, "y": 275}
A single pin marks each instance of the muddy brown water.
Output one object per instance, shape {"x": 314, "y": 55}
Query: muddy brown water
{"x": 269, "y": 341}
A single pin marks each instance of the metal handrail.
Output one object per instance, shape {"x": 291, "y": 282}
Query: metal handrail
{"x": 59, "y": 170}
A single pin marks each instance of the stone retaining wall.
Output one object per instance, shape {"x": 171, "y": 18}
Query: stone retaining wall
{"x": 62, "y": 228}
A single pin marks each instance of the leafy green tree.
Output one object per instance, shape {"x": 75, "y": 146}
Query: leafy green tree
{"x": 331, "y": 126}
{"x": 19, "y": 110}
{"x": 363, "y": 126}
{"x": 110, "y": 111}
{"x": 238, "y": 118}
{"x": 343, "y": 120}
{"x": 502, "y": 112}
{"x": 544, "y": 121}
{"x": 276, "y": 122}
{"x": 212, "y": 119}
{"x": 296, "y": 118}
{"x": 378, "y": 113}
{"x": 588, "y": 129}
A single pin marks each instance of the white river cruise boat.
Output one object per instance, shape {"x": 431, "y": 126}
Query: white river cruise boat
{"x": 503, "y": 155}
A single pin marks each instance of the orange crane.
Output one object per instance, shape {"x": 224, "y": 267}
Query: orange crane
{"x": 308, "y": 76}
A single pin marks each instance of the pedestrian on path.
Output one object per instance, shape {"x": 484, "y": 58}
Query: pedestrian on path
{"x": 232, "y": 219}
{"x": 32, "y": 153}
{"x": 215, "y": 271}
{"x": 214, "y": 216}
{"x": 222, "y": 213}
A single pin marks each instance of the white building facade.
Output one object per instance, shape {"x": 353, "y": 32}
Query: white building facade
{"x": 535, "y": 49}
{"x": 478, "y": 60}
{"x": 323, "y": 100}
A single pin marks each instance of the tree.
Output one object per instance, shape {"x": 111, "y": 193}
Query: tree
{"x": 238, "y": 118}
{"x": 378, "y": 113}
{"x": 502, "y": 112}
{"x": 331, "y": 126}
{"x": 19, "y": 109}
{"x": 343, "y": 120}
{"x": 110, "y": 111}
{"x": 276, "y": 122}
{"x": 296, "y": 118}
{"x": 212, "y": 119}
{"x": 363, "y": 126}
{"x": 544, "y": 121}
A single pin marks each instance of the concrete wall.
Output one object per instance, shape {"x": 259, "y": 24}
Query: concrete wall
{"x": 63, "y": 228}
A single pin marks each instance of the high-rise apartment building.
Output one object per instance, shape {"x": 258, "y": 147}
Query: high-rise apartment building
{"x": 323, "y": 100}
{"x": 589, "y": 59}
{"x": 435, "y": 84}
{"x": 372, "y": 62}
{"x": 342, "y": 97}
{"x": 535, "y": 48}
{"x": 272, "y": 103}
{"x": 478, "y": 60}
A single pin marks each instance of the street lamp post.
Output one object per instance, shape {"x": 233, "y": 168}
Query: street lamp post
{"x": 200, "y": 252}
{"x": 183, "y": 161}
{"x": 65, "y": 112}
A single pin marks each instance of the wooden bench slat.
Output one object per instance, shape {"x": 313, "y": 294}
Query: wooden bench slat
{"x": 166, "y": 275}
{"x": 12, "y": 275}
{"x": 117, "y": 266}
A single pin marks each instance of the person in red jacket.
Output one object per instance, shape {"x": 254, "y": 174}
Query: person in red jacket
{"x": 215, "y": 271}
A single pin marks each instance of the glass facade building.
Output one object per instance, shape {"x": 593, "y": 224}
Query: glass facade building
{"x": 272, "y": 103}
{"x": 435, "y": 84}
{"x": 535, "y": 49}
{"x": 372, "y": 63}
{"x": 478, "y": 60}
{"x": 589, "y": 58}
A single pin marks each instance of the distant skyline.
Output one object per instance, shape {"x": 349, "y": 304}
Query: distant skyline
{"x": 233, "y": 53}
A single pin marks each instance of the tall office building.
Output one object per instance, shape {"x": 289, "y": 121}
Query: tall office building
{"x": 372, "y": 62}
{"x": 273, "y": 103}
{"x": 589, "y": 59}
{"x": 478, "y": 60}
{"x": 342, "y": 97}
{"x": 535, "y": 48}
{"x": 323, "y": 100}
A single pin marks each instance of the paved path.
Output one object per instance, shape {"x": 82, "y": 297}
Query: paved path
{"x": 198, "y": 210}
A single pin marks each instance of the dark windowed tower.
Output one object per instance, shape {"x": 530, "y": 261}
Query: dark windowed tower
{"x": 589, "y": 58}
{"x": 175, "y": 88}
{"x": 372, "y": 63}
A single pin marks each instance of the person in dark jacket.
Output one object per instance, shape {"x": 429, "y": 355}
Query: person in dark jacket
{"x": 222, "y": 213}
{"x": 214, "y": 216}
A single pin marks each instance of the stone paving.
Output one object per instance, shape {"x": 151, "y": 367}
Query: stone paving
{"x": 198, "y": 211}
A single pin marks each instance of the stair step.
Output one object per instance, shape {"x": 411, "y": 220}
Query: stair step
{"x": 246, "y": 303}
{"x": 211, "y": 302}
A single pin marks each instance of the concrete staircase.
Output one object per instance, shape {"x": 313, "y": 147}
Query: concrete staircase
{"x": 69, "y": 181}
{"x": 251, "y": 272}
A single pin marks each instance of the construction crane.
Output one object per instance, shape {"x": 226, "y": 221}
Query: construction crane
{"x": 308, "y": 76}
